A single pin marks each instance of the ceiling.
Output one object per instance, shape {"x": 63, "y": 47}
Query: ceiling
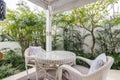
{"x": 61, "y": 5}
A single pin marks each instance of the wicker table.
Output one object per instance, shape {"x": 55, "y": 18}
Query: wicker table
{"x": 53, "y": 59}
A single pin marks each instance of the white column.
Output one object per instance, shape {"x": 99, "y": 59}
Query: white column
{"x": 49, "y": 29}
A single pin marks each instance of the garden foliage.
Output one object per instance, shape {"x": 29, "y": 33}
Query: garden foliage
{"x": 28, "y": 28}
{"x": 12, "y": 63}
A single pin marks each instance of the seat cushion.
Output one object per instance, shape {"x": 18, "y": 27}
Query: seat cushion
{"x": 81, "y": 69}
{"x": 97, "y": 63}
{"x": 71, "y": 76}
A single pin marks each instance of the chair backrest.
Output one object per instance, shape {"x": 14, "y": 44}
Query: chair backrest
{"x": 101, "y": 73}
{"x": 38, "y": 49}
{"x": 31, "y": 54}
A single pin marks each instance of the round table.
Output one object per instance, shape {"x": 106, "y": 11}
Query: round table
{"x": 56, "y": 58}
{"x": 50, "y": 61}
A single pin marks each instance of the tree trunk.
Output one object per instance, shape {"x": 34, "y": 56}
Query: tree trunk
{"x": 93, "y": 43}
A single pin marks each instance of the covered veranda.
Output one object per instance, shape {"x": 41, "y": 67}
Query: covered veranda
{"x": 52, "y": 7}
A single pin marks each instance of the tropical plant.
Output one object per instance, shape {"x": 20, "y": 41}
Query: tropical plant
{"x": 116, "y": 64}
{"x": 61, "y": 21}
{"x": 73, "y": 40}
{"x": 108, "y": 39}
{"x": 6, "y": 70}
{"x": 56, "y": 40}
{"x": 25, "y": 26}
{"x": 4, "y": 37}
{"x": 116, "y": 21}
{"x": 90, "y": 16}
{"x": 11, "y": 63}
{"x": 116, "y": 56}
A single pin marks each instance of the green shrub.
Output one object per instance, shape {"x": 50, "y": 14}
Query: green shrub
{"x": 6, "y": 70}
{"x": 86, "y": 55}
{"x": 108, "y": 39}
{"x": 12, "y": 63}
{"x": 116, "y": 64}
{"x": 116, "y": 56}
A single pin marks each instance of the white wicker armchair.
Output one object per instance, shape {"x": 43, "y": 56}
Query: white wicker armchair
{"x": 75, "y": 74}
{"x": 30, "y": 59}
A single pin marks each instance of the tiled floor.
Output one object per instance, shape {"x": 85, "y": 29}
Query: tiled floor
{"x": 112, "y": 75}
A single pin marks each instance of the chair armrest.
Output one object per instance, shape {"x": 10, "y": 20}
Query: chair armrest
{"x": 67, "y": 68}
{"x": 88, "y": 61}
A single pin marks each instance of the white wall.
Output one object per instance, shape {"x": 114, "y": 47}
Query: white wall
{"x": 11, "y": 45}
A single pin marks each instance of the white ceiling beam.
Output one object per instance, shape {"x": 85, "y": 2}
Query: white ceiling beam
{"x": 61, "y": 5}
{"x": 39, "y": 3}
{"x": 71, "y": 5}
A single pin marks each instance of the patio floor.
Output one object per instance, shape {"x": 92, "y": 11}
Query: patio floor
{"x": 112, "y": 75}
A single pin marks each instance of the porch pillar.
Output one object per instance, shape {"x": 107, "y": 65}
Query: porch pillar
{"x": 49, "y": 29}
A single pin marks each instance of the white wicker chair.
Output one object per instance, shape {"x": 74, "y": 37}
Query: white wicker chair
{"x": 99, "y": 74}
{"x": 29, "y": 60}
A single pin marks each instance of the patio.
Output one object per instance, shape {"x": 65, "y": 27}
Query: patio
{"x": 112, "y": 75}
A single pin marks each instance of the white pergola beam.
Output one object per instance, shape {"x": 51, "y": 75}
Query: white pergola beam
{"x": 39, "y": 3}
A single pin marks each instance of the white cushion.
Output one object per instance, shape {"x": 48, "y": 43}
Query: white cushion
{"x": 97, "y": 63}
{"x": 34, "y": 50}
